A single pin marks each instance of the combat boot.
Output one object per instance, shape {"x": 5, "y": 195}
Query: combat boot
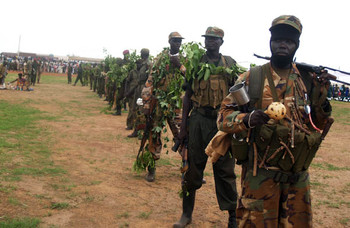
{"x": 133, "y": 135}
{"x": 117, "y": 113}
{"x": 150, "y": 176}
{"x": 232, "y": 219}
{"x": 187, "y": 209}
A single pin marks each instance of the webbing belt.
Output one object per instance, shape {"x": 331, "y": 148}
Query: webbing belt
{"x": 281, "y": 177}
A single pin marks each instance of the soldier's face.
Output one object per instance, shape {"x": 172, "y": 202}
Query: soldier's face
{"x": 283, "y": 47}
{"x": 213, "y": 43}
{"x": 175, "y": 44}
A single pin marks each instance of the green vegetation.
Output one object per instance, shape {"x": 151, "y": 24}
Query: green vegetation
{"x": 24, "y": 144}
{"x": 123, "y": 215}
{"x": 341, "y": 113}
{"x": 20, "y": 223}
{"x": 145, "y": 215}
{"x": 329, "y": 167}
{"x": 344, "y": 221}
{"x": 59, "y": 206}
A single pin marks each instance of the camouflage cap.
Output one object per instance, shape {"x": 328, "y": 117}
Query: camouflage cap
{"x": 287, "y": 20}
{"x": 175, "y": 35}
{"x": 214, "y": 32}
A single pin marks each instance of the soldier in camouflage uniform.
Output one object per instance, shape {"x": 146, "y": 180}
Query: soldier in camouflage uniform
{"x": 80, "y": 75}
{"x": 275, "y": 178}
{"x": 3, "y": 72}
{"x": 35, "y": 70}
{"x": 143, "y": 69}
{"x": 27, "y": 70}
{"x": 69, "y": 73}
{"x": 101, "y": 81}
{"x": 159, "y": 81}
{"x": 40, "y": 70}
{"x": 97, "y": 73}
{"x": 204, "y": 98}
{"x": 131, "y": 83}
{"x": 119, "y": 100}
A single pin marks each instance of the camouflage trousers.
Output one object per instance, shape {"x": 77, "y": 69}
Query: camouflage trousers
{"x": 265, "y": 203}
{"x": 130, "y": 120}
{"x": 155, "y": 142}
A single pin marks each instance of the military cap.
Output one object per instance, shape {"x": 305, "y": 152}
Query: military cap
{"x": 175, "y": 35}
{"x": 214, "y": 32}
{"x": 125, "y": 52}
{"x": 144, "y": 51}
{"x": 287, "y": 20}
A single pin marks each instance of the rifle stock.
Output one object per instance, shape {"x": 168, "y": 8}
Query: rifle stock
{"x": 145, "y": 135}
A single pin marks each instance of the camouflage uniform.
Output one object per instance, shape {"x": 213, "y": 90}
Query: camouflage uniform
{"x": 3, "y": 72}
{"x": 27, "y": 71}
{"x": 39, "y": 71}
{"x": 80, "y": 75}
{"x": 201, "y": 105}
{"x": 69, "y": 73}
{"x": 202, "y": 128}
{"x": 150, "y": 86}
{"x": 131, "y": 84}
{"x": 278, "y": 194}
{"x": 35, "y": 70}
{"x": 143, "y": 75}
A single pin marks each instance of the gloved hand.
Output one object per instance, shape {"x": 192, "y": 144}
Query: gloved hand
{"x": 255, "y": 118}
{"x": 324, "y": 79}
{"x": 175, "y": 61}
{"x": 139, "y": 101}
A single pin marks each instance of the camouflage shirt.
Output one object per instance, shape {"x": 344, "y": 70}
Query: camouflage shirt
{"x": 230, "y": 120}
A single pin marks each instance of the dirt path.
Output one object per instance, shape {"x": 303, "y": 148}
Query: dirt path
{"x": 103, "y": 191}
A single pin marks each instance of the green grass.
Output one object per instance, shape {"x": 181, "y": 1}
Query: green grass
{"x": 329, "y": 167}
{"x": 341, "y": 113}
{"x": 20, "y": 223}
{"x": 47, "y": 79}
{"x": 59, "y": 206}
{"x": 344, "y": 221}
{"x": 24, "y": 144}
{"x": 123, "y": 215}
{"x": 145, "y": 215}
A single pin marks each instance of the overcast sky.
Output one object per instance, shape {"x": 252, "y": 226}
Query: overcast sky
{"x": 85, "y": 28}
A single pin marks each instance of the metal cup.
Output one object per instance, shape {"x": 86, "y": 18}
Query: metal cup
{"x": 240, "y": 94}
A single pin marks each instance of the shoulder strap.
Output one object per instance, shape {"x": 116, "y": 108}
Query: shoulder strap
{"x": 224, "y": 61}
{"x": 271, "y": 84}
{"x": 256, "y": 85}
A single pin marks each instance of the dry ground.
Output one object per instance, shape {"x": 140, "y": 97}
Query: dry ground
{"x": 103, "y": 191}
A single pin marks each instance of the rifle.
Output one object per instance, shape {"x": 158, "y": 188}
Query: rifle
{"x": 145, "y": 136}
{"x": 318, "y": 70}
{"x": 181, "y": 143}
{"x": 148, "y": 127}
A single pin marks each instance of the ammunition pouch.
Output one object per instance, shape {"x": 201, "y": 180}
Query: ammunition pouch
{"x": 282, "y": 177}
{"x": 210, "y": 92}
{"x": 272, "y": 140}
{"x": 239, "y": 148}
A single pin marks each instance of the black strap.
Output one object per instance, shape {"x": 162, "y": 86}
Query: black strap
{"x": 256, "y": 86}
{"x": 271, "y": 84}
